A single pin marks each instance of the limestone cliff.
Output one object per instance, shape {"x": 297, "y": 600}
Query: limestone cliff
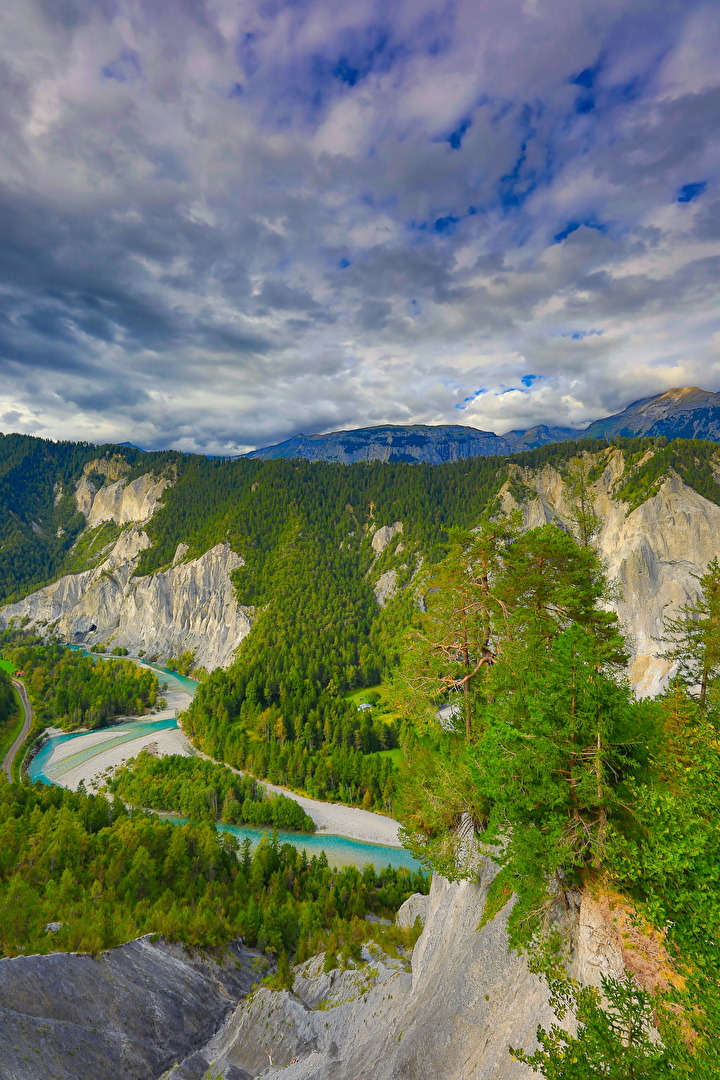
{"x": 192, "y": 605}
{"x": 652, "y": 553}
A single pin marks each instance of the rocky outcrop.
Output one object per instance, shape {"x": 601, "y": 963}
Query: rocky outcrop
{"x": 386, "y": 587}
{"x": 190, "y": 606}
{"x": 123, "y": 502}
{"x": 383, "y": 536}
{"x": 452, "y": 1016}
{"x": 130, "y": 1012}
{"x": 652, "y": 553}
{"x": 118, "y": 500}
{"x": 415, "y": 907}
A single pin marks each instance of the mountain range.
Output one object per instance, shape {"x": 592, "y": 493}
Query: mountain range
{"x": 681, "y": 413}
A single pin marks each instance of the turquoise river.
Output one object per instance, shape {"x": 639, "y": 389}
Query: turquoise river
{"x": 340, "y": 850}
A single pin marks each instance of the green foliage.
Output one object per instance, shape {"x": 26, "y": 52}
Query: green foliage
{"x": 109, "y": 876}
{"x": 10, "y": 719}
{"x": 694, "y": 460}
{"x": 195, "y": 787}
{"x": 91, "y": 547}
{"x": 183, "y": 664}
{"x": 612, "y": 1041}
{"x": 668, "y": 862}
{"x": 549, "y": 734}
{"x": 561, "y": 739}
{"x": 574, "y": 782}
{"x": 71, "y": 690}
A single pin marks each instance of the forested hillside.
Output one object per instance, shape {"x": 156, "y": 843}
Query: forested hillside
{"x": 39, "y": 518}
{"x": 305, "y": 532}
{"x": 69, "y": 690}
{"x": 576, "y": 786}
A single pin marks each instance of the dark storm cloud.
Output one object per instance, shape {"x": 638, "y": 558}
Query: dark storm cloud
{"x": 225, "y": 223}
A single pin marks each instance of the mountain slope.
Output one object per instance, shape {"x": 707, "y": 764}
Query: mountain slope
{"x": 682, "y": 413}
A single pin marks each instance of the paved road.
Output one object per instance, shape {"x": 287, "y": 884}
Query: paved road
{"x": 13, "y": 751}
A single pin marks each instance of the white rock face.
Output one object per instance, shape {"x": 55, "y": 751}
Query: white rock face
{"x": 385, "y": 588}
{"x": 124, "y": 502}
{"x": 451, "y": 1017}
{"x": 383, "y": 536}
{"x": 120, "y": 501}
{"x": 415, "y": 907}
{"x": 192, "y": 605}
{"x": 652, "y": 553}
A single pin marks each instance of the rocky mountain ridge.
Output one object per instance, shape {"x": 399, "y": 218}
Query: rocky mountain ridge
{"x": 685, "y": 412}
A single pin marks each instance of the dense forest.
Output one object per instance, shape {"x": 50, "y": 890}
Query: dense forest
{"x": 107, "y": 876}
{"x": 580, "y": 785}
{"x": 195, "y": 788}
{"x": 69, "y": 690}
{"x": 281, "y": 711}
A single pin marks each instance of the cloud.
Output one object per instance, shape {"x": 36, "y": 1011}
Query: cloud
{"x": 226, "y": 223}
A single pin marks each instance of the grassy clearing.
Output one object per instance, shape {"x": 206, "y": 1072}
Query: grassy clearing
{"x": 376, "y": 696}
{"x": 7, "y": 665}
{"x": 359, "y": 696}
{"x": 394, "y": 755}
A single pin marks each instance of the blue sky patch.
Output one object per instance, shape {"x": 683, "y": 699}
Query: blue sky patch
{"x": 688, "y": 192}
{"x": 471, "y": 397}
{"x": 125, "y": 68}
{"x": 573, "y": 226}
{"x": 456, "y": 137}
{"x": 446, "y": 224}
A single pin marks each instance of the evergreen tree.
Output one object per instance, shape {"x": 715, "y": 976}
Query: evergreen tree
{"x": 694, "y": 636}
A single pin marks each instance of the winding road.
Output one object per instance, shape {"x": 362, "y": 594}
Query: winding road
{"x": 27, "y": 724}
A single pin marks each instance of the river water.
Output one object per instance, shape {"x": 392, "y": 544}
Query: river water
{"x": 340, "y": 850}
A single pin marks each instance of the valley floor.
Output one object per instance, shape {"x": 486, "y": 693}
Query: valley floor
{"x": 92, "y": 765}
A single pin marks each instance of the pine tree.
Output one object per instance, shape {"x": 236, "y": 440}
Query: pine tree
{"x": 694, "y": 636}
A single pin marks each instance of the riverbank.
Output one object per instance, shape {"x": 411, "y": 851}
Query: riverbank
{"x": 90, "y": 757}
{"x": 335, "y": 818}
{"x": 93, "y": 756}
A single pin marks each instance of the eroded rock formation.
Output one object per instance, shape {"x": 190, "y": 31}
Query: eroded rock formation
{"x": 192, "y": 605}
{"x": 450, "y": 1014}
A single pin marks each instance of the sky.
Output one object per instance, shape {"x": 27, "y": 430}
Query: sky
{"x": 224, "y": 222}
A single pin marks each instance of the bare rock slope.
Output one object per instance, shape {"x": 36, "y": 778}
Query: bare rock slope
{"x": 191, "y": 605}
{"x": 129, "y": 1013}
{"x": 450, "y": 1015}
